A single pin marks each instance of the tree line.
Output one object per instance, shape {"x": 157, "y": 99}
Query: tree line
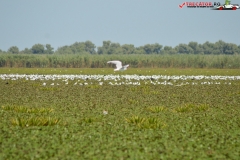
{"x": 108, "y": 48}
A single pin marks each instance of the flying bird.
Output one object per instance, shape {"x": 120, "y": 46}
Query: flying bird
{"x": 119, "y": 65}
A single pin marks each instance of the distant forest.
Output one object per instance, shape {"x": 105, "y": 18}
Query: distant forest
{"x": 109, "y": 47}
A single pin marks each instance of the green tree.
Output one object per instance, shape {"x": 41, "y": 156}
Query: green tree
{"x": 157, "y": 48}
{"x": 26, "y": 51}
{"x": 184, "y": 49}
{"x": 109, "y": 48}
{"x": 38, "y": 49}
{"x": 90, "y": 47}
{"x": 13, "y": 50}
{"x": 64, "y": 50}
{"x": 231, "y": 48}
{"x": 169, "y": 50}
{"x": 208, "y": 47}
{"x": 193, "y": 45}
{"x": 219, "y": 47}
{"x": 152, "y": 48}
{"x": 148, "y": 48}
{"x": 128, "y": 49}
{"x": 166, "y": 49}
{"x": 199, "y": 49}
{"x": 172, "y": 51}
{"x": 49, "y": 49}
{"x": 139, "y": 50}
{"x": 196, "y": 48}
{"x": 106, "y": 44}
{"x": 78, "y": 47}
{"x": 100, "y": 50}
{"x": 115, "y": 48}
{"x": 104, "y": 48}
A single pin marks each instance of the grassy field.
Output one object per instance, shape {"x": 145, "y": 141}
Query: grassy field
{"x": 119, "y": 122}
{"x": 138, "y": 71}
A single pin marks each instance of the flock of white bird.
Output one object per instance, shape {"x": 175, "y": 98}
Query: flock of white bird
{"x": 122, "y": 79}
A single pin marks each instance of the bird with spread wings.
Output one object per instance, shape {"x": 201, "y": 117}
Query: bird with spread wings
{"x": 119, "y": 66}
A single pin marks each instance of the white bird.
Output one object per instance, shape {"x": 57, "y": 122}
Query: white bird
{"x": 119, "y": 65}
{"x": 105, "y": 112}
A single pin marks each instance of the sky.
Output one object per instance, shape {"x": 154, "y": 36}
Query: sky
{"x": 138, "y": 22}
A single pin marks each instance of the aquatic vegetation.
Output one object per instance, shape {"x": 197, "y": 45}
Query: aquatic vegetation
{"x": 34, "y": 121}
{"x": 135, "y": 120}
{"x": 145, "y": 115}
{"x": 146, "y": 123}
{"x": 157, "y": 109}
{"x": 25, "y": 109}
{"x": 191, "y": 108}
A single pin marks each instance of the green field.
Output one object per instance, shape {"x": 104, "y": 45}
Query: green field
{"x": 142, "y": 122}
{"x": 138, "y": 71}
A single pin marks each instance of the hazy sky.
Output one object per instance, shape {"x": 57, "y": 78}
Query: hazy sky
{"x": 24, "y": 23}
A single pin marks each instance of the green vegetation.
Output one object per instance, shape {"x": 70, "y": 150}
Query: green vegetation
{"x": 157, "y": 109}
{"x": 87, "y": 55}
{"x": 192, "y": 108}
{"x": 130, "y": 71}
{"x": 143, "y": 122}
{"x": 135, "y": 61}
{"x": 27, "y": 109}
{"x": 34, "y": 121}
{"x": 146, "y": 123}
{"x": 108, "y": 47}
